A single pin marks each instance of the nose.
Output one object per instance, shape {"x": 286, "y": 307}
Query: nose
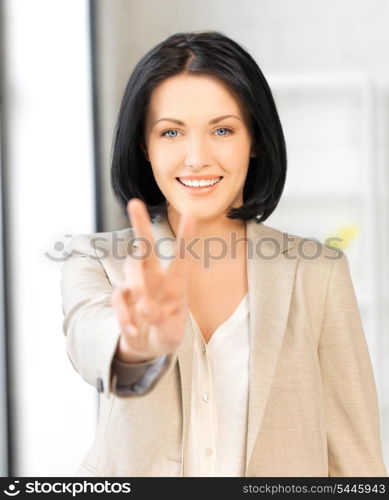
{"x": 197, "y": 153}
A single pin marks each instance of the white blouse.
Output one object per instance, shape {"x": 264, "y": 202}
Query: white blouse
{"x": 220, "y": 385}
{"x": 218, "y": 428}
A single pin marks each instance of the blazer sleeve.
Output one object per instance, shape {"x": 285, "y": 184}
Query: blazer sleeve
{"x": 350, "y": 397}
{"x": 92, "y": 329}
{"x": 136, "y": 378}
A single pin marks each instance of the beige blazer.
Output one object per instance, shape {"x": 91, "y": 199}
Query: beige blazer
{"x": 313, "y": 407}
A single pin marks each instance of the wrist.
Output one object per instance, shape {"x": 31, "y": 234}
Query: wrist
{"x": 125, "y": 355}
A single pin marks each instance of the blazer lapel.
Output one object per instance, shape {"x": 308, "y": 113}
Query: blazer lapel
{"x": 270, "y": 282}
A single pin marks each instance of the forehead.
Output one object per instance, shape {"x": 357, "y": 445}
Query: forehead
{"x": 197, "y": 95}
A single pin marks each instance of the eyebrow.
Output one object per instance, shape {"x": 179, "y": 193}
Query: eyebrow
{"x": 211, "y": 122}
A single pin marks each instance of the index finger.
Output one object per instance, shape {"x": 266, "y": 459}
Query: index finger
{"x": 141, "y": 223}
{"x": 185, "y": 232}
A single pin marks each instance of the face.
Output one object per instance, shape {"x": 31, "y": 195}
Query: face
{"x": 195, "y": 129}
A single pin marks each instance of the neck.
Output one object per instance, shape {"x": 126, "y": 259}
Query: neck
{"x": 211, "y": 234}
{"x": 220, "y": 226}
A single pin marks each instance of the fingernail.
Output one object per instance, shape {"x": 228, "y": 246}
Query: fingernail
{"x": 130, "y": 329}
{"x": 146, "y": 309}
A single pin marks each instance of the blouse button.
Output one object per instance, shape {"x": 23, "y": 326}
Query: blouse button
{"x": 209, "y": 451}
{"x": 206, "y": 397}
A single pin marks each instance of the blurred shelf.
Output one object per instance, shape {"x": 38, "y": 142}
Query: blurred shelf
{"x": 317, "y": 80}
{"x": 322, "y": 197}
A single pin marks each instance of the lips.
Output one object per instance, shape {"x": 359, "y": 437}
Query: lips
{"x": 200, "y": 190}
{"x": 205, "y": 178}
{"x": 199, "y": 177}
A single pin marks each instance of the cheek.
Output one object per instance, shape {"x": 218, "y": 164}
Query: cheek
{"x": 163, "y": 161}
{"x": 235, "y": 152}
{"x": 163, "y": 148}
{"x": 237, "y": 165}
{"x": 164, "y": 176}
{"x": 239, "y": 175}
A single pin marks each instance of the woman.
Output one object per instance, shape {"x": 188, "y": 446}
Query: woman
{"x": 220, "y": 346}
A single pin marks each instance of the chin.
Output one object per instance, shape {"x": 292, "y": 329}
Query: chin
{"x": 203, "y": 215}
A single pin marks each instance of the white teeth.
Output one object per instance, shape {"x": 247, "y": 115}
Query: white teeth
{"x": 200, "y": 183}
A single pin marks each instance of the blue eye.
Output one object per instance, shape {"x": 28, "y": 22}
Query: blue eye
{"x": 164, "y": 134}
{"x": 167, "y": 131}
{"x": 225, "y": 128}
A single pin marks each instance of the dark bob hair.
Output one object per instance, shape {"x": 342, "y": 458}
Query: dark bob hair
{"x": 208, "y": 53}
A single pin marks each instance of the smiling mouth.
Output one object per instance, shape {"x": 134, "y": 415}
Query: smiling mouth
{"x": 217, "y": 179}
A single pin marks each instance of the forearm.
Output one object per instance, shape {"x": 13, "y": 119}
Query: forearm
{"x": 125, "y": 355}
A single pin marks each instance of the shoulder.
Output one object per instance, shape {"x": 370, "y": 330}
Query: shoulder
{"x": 96, "y": 245}
{"x": 308, "y": 251}
{"x": 319, "y": 266}
{"x": 286, "y": 241}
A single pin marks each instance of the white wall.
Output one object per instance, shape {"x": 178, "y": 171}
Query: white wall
{"x": 50, "y": 169}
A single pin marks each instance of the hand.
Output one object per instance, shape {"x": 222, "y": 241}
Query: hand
{"x": 152, "y": 302}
